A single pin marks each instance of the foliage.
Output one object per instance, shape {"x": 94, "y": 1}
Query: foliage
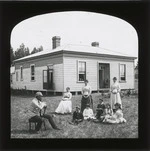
{"x": 35, "y": 50}
{"x": 22, "y": 51}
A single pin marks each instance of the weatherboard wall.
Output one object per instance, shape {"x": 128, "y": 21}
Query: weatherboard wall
{"x": 71, "y": 71}
{"x": 40, "y": 65}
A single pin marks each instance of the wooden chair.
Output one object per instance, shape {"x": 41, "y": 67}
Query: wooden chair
{"x": 33, "y": 122}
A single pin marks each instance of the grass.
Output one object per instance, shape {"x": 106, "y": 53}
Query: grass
{"x": 19, "y": 120}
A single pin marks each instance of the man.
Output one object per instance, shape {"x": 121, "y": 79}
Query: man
{"x": 77, "y": 116}
{"x": 86, "y": 96}
{"x": 38, "y": 109}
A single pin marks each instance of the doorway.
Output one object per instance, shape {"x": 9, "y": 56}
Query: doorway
{"x": 48, "y": 79}
{"x": 104, "y": 75}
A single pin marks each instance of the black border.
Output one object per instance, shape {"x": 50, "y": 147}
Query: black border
{"x": 137, "y": 13}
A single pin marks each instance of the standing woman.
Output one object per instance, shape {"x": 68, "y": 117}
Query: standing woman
{"x": 86, "y": 96}
{"x": 115, "y": 94}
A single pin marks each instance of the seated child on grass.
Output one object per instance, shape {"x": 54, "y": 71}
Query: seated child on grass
{"x": 100, "y": 110}
{"x": 117, "y": 117}
{"x": 88, "y": 113}
{"x": 108, "y": 112}
{"x": 77, "y": 116}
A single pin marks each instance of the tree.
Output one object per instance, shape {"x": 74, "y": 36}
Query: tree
{"x": 22, "y": 52}
{"x": 27, "y": 52}
{"x": 41, "y": 48}
{"x": 35, "y": 50}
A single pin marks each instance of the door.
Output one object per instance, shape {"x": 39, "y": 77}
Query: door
{"x": 45, "y": 79}
{"x": 104, "y": 75}
{"x": 101, "y": 78}
{"x": 48, "y": 79}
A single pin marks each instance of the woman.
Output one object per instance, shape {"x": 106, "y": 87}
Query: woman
{"x": 115, "y": 94}
{"x": 65, "y": 105}
{"x": 86, "y": 96}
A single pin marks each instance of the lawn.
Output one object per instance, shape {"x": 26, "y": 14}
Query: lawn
{"x": 19, "y": 120}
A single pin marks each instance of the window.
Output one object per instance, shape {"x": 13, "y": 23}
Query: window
{"x": 32, "y": 72}
{"x": 21, "y": 73}
{"x": 81, "y": 71}
{"x": 17, "y": 76}
{"x": 122, "y": 76}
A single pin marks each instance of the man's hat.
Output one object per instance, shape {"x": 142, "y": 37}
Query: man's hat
{"x": 38, "y": 94}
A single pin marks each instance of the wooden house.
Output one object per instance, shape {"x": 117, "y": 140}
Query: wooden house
{"x": 69, "y": 65}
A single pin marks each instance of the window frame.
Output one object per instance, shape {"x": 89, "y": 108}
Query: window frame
{"x": 21, "y": 73}
{"x": 31, "y": 73}
{"x": 125, "y": 69}
{"x": 78, "y": 71}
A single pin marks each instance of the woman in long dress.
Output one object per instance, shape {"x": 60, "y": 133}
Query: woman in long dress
{"x": 65, "y": 105}
{"x": 86, "y": 96}
{"x": 115, "y": 94}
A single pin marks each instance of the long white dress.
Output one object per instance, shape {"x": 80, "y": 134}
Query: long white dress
{"x": 65, "y": 105}
{"x": 115, "y": 98}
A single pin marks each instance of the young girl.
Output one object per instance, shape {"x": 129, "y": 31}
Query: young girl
{"x": 117, "y": 117}
{"x": 65, "y": 105}
{"x": 108, "y": 112}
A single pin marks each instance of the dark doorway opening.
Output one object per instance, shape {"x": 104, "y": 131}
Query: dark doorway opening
{"x": 104, "y": 75}
{"x": 48, "y": 79}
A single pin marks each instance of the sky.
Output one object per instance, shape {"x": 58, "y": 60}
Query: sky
{"x": 76, "y": 27}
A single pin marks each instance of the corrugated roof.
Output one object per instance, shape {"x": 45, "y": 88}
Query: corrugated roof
{"x": 77, "y": 48}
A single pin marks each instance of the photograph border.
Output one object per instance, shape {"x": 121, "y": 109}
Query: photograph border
{"x": 135, "y": 13}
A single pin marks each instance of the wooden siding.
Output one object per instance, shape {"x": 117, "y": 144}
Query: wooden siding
{"x": 70, "y": 72}
{"x": 40, "y": 62}
{"x": 38, "y": 83}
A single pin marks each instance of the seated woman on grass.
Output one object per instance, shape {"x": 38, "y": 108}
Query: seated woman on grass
{"x": 88, "y": 113}
{"x": 117, "y": 117}
{"x": 65, "y": 105}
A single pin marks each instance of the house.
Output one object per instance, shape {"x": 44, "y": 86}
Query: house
{"x": 69, "y": 65}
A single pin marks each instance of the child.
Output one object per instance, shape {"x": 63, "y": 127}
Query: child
{"x": 117, "y": 117}
{"x": 77, "y": 116}
{"x": 108, "y": 112}
{"x": 99, "y": 111}
{"x": 88, "y": 113}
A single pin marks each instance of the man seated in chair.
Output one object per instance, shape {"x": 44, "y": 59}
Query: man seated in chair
{"x": 38, "y": 109}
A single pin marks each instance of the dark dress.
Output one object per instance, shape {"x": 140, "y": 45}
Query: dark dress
{"x": 86, "y": 101}
{"x": 100, "y": 110}
{"x": 77, "y": 115}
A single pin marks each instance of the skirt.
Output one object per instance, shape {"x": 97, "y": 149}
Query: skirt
{"x": 115, "y": 98}
{"x": 64, "y": 107}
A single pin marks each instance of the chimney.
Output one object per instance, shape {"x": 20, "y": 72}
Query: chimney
{"x": 95, "y": 44}
{"x": 56, "y": 42}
